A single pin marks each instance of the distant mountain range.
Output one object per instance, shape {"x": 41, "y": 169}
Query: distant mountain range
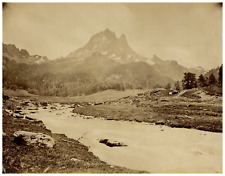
{"x": 22, "y": 56}
{"x": 106, "y": 61}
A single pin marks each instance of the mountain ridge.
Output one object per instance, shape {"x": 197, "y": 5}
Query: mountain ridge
{"x": 11, "y": 52}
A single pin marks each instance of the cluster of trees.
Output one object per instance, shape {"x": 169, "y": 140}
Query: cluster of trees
{"x": 189, "y": 81}
{"x": 38, "y": 81}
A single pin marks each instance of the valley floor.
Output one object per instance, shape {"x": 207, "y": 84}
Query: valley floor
{"x": 187, "y": 109}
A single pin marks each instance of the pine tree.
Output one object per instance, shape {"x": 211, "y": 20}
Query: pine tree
{"x": 202, "y": 81}
{"x": 168, "y": 86}
{"x": 220, "y": 76}
{"x": 189, "y": 81}
{"x": 177, "y": 85}
{"x": 212, "y": 79}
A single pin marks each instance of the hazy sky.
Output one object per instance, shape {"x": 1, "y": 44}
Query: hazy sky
{"x": 189, "y": 33}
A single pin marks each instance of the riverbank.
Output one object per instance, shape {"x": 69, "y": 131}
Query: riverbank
{"x": 187, "y": 109}
{"x": 139, "y": 146}
{"x": 67, "y": 155}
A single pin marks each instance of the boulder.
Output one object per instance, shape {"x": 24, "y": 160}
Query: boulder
{"x": 31, "y": 138}
{"x": 111, "y": 143}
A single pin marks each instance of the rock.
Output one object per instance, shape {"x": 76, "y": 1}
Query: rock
{"x": 19, "y": 116}
{"x": 18, "y": 111}
{"x": 26, "y": 103}
{"x": 160, "y": 122}
{"x": 44, "y": 103}
{"x": 164, "y": 100}
{"x": 29, "y": 118}
{"x": 98, "y": 103}
{"x": 18, "y": 108}
{"x": 111, "y": 143}
{"x": 75, "y": 159}
{"x": 173, "y": 92}
{"x": 4, "y": 134}
{"x": 32, "y": 109}
{"x": 31, "y": 138}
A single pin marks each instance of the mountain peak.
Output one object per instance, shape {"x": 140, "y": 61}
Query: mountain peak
{"x": 156, "y": 59}
{"x": 110, "y": 46}
{"x": 123, "y": 38}
{"x": 107, "y": 30}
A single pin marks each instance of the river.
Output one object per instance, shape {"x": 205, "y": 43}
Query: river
{"x": 156, "y": 149}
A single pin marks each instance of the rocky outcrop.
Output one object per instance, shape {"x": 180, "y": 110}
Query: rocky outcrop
{"x": 31, "y": 138}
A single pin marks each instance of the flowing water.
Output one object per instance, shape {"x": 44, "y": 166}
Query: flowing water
{"x": 157, "y": 149}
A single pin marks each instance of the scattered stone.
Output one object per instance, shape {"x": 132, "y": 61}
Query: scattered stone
{"x": 75, "y": 159}
{"x": 29, "y": 118}
{"x": 19, "y": 116}
{"x": 31, "y": 109}
{"x": 44, "y": 103}
{"x": 164, "y": 100}
{"x": 160, "y": 122}
{"x": 111, "y": 143}
{"x": 18, "y": 111}
{"x": 4, "y": 134}
{"x": 29, "y": 138}
{"x": 99, "y": 103}
{"x": 26, "y": 103}
{"x": 173, "y": 92}
{"x": 18, "y": 108}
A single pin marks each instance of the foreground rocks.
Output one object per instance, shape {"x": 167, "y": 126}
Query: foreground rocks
{"x": 31, "y": 138}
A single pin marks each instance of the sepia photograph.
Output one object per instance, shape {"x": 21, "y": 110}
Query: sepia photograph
{"x": 112, "y": 88}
